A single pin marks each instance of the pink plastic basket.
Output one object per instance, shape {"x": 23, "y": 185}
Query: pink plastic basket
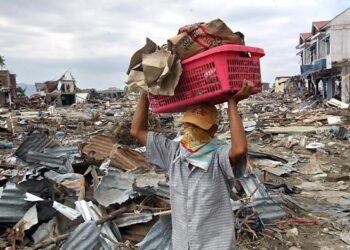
{"x": 210, "y": 76}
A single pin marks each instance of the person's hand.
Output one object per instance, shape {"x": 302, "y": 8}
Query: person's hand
{"x": 244, "y": 92}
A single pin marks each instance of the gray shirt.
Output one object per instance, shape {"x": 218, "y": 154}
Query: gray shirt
{"x": 202, "y": 217}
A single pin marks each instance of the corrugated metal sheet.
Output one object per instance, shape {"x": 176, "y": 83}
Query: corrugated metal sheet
{"x": 90, "y": 212}
{"x": 128, "y": 159}
{"x": 12, "y": 204}
{"x": 36, "y": 142}
{"x": 267, "y": 207}
{"x": 280, "y": 170}
{"x": 149, "y": 179}
{"x": 61, "y": 164}
{"x": 261, "y": 155}
{"x": 99, "y": 146}
{"x": 59, "y": 151}
{"x": 115, "y": 188}
{"x": 152, "y": 183}
{"x": 250, "y": 184}
{"x": 84, "y": 237}
{"x": 42, "y": 158}
{"x": 131, "y": 219}
{"x": 56, "y": 177}
{"x": 159, "y": 237}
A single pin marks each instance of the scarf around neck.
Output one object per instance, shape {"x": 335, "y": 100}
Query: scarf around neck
{"x": 202, "y": 155}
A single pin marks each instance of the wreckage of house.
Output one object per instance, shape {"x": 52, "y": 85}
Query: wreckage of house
{"x": 280, "y": 83}
{"x": 61, "y": 92}
{"x": 7, "y": 87}
{"x": 325, "y": 58}
{"x": 110, "y": 93}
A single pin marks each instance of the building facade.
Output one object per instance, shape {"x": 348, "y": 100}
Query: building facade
{"x": 325, "y": 57}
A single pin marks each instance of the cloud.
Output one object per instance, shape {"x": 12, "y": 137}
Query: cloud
{"x": 95, "y": 39}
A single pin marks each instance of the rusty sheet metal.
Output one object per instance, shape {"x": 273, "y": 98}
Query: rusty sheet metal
{"x": 97, "y": 148}
{"x": 128, "y": 159}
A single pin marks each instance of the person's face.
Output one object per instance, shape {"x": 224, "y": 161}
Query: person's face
{"x": 211, "y": 132}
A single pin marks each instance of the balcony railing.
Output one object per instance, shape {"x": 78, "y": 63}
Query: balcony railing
{"x": 317, "y": 65}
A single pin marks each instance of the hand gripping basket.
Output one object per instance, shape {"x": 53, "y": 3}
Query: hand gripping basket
{"x": 211, "y": 76}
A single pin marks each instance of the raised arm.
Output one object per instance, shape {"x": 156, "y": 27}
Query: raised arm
{"x": 238, "y": 139}
{"x": 139, "y": 126}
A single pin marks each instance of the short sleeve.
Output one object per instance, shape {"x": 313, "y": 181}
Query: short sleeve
{"x": 230, "y": 171}
{"x": 160, "y": 151}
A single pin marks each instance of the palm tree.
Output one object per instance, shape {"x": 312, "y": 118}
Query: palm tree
{"x": 2, "y": 62}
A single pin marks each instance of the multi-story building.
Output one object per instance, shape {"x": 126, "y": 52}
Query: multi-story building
{"x": 325, "y": 57}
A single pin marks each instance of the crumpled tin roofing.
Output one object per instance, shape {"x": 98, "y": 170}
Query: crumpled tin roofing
{"x": 90, "y": 212}
{"x": 131, "y": 219}
{"x": 161, "y": 188}
{"x": 128, "y": 159}
{"x": 12, "y": 204}
{"x": 267, "y": 207}
{"x": 46, "y": 230}
{"x": 250, "y": 183}
{"x": 61, "y": 164}
{"x": 36, "y": 142}
{"x": 159, "y": 237}
{"x": 60, "y": 151}
{"x": 84, "y": 237}
{"x": 115, "y": 187}
{"x": 98, "y": 147}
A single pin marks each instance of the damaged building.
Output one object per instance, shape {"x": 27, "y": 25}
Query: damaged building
{"x": 7, "y": 87}
{"x": 280, "y": 83}
{"x": 110, "y": 93}
{"x": 325, "y": 55}
{"x": 61, "y": 92}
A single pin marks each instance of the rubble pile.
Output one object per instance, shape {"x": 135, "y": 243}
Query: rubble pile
{"x": 73, "y": 178}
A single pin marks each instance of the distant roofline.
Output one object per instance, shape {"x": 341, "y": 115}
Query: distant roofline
{"x": 329, "y": 22}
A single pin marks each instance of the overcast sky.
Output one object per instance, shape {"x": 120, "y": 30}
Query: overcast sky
{"x": 94, "y": 39}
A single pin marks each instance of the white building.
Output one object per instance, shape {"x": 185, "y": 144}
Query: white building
{"x": 325, "y": 56}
